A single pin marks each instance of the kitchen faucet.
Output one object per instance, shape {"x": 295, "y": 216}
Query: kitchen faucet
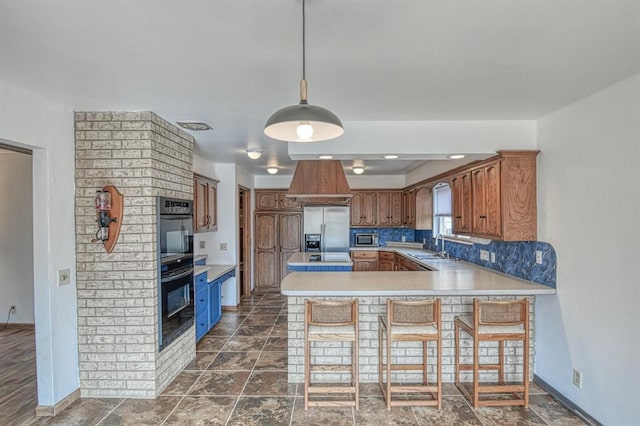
{"x": 443, "y": 254}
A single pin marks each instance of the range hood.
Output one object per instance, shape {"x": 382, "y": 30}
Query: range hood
{"x": 320, "y": 182}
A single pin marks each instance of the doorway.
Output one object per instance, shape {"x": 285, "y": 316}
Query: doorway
{"x": 244, "y": 240}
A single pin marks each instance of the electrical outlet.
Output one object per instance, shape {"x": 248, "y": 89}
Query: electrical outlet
{"x": 577, "y": 378}
{"x": 424, "y": 241}
{"x": 484, "y": 255}
{"x": 493, "y": 257}
{"x": 202, "y": 244}
{"x": 64, "y": 276}
{"x": 223, "y": 246}
{"x": 539, "y": 257}
{"x": 404, "y": 238}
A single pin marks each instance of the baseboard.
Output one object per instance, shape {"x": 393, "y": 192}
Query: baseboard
{"x": 230, "y": 308}
{"x": 54, "y": 410}
{"x": 22, "y": 326}
{"x": 566, "y": 402}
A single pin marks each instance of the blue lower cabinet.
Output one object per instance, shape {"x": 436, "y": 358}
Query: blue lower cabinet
{"x": 215, "y": 302}
{"x": 202, "y": 325}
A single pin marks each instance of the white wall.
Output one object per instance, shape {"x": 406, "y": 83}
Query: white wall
{"x": 589, "y": 200}
{"x": 16, "y": 237}
{"x": 46, "y": 127}
{"x": 227, "y": 232}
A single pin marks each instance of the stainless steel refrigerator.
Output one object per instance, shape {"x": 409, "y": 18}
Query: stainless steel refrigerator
{"x": 332, "y": 223}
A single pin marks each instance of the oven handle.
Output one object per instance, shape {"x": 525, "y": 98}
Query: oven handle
{"x": 176, "y": 277}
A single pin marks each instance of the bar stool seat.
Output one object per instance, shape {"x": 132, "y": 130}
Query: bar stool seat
{"x": 410, "y": 321}
{"x": 499, "y": 321}
{"x": 331, "y": 321}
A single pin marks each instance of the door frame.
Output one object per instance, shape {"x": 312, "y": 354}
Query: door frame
{"x": 244, "y": 254}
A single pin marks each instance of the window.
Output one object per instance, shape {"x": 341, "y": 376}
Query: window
{"x": 442, "y": 222}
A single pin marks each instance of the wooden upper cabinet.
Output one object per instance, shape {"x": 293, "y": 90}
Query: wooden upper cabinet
{"x": 487, "y": 211}
{"x": 496, "y": 198}
{"x": 424, "y": 208}
{"x": 275, "y": 199}
{"x": 410, "y": 208}
{"x": 363, "y": 208}
{"x": 389, "y": 209}
{"x": 461, "y": 199}
{"x": 205, "y": 204}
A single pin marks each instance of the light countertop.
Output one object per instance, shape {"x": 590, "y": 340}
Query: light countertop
{"x": 448, "y": 277}
{"x": 320, "y": 259}
{"x": 213, "y": 271}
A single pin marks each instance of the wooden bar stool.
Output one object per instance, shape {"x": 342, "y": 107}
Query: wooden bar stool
{"x": 331, "y": 321}
{"x": 499, "y": 321}
{"x": 410, "y": 321}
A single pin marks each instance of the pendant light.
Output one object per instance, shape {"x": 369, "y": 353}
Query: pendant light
{"x": 303, "y": 122}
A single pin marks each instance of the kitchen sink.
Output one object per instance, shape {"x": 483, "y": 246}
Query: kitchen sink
{"x": 425, "y": 256}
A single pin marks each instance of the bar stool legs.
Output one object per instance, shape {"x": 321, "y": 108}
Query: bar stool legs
{"x": 331, "y": 321}
{"x": 418, "y": 321}
{"x": 494, "y": 321}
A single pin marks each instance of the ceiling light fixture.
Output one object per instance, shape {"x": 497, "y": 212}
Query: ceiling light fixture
{"x": 358, "y": 169}
{"x": 194, "y": 126}
{"x": 254, "y": 153}
{"x": 303, "y": 122}
{"x": 272, "y": 170}
{"x": 325, "y": 157}
{"x": 456, "y": 156}
{"x": 390, "y": 157}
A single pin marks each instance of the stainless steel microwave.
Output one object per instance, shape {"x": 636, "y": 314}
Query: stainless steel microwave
{"x": 366, "y": 240}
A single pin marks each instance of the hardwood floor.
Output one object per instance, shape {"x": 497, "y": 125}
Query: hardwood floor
{"x": 18, "y": 391}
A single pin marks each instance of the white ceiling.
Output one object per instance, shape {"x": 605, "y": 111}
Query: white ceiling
{"x": 232, "y": 63}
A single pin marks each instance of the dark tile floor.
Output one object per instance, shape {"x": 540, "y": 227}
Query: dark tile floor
{"x": 239, "y": 377}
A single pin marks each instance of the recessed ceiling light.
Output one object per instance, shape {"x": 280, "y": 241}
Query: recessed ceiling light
{"x": 456, "y": 156}
{"x": 272, "y": 170}
{"x": 254, "y": 153}
{"x": 325, "y": 157}
{"x": 194, "y": 126}
{"x": 358, "y": 170}
{"x": 390, "y": 157}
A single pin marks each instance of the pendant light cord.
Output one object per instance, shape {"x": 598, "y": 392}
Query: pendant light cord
{"x": 304, "y": 52}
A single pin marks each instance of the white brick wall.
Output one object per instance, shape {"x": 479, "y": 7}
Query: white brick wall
{"x": 143, "y": 156}
{"x": 370, "y": 308}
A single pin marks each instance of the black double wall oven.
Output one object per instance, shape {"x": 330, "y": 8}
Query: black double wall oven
{"x": 175, "y": 254}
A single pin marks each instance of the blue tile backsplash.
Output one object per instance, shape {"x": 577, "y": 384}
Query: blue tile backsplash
{"x": 512, "y": 258}
{"x": 385, "y": 234}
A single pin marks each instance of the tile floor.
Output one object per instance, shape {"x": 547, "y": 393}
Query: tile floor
{"x": 239, "y": 377}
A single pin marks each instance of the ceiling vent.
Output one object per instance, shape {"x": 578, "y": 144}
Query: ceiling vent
{"x": 319, "y": 182}
{"x": 194, "y": 126}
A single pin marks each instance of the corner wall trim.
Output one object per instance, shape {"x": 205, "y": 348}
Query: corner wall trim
{"x": 566, "y": 402}
{"x": 54, "y": 410}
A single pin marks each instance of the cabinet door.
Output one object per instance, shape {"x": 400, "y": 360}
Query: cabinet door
{"x": 410, "y": 208}
{"x": 461, "y": 191}
{"x": 266, "y": 200}
{"x": 200, "y": 205}
{"x": 365, "y": 265}
{"x": 289, "y": 239}
{"x": 212, "y": 200}
{"x": 493, "y": 207}
{"x": 382, "y": 208}
{"x": 395, "y": 209}
{"x": 215, "y": 302}
{"x": 386, "y": 265}
{"x": 486, "y": 201}
{"x": 287, "y": 203}
{"x": 266, "y": 260}
{"x": 356, "y": 209}
{"x": 369, "y": 208}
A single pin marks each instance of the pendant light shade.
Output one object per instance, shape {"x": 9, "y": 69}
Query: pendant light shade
{"x": 303, "y": 122}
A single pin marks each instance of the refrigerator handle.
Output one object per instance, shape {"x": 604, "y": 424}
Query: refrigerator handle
{"x": 322, "y": 241}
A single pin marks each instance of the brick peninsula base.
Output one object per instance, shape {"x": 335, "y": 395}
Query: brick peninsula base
{"x": 404, "y": 352}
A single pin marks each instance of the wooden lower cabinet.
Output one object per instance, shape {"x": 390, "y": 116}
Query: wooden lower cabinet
{"x": 364, "y": 260}
{"x": 277, "y": 236}
{"x": 386, "y": 261}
